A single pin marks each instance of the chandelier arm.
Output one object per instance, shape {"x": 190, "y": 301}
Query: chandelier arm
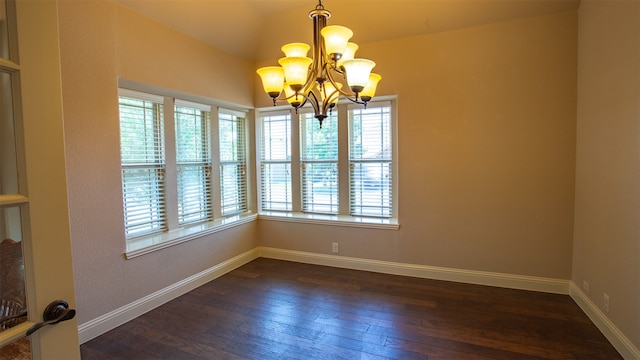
{"x": 339, "y": 70}
{"x": 308, "y": 86}
{"x": 282, "y": 97}
{"x": 357, "y": 101}
{"x": 326, "y": 105}
{"x": 303, "y": 103}
{"x": 313, "y": 99}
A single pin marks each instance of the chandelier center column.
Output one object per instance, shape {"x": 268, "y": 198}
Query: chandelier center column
{"x": 319, "y": 17}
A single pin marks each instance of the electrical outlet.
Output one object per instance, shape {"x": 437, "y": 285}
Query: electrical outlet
{"x": 335, "y": 248}
{"x": 606, "y": 303}
{"x": 585, "y": 286}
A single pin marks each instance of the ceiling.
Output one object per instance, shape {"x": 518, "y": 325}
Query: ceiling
{"x": 255, "y": 29}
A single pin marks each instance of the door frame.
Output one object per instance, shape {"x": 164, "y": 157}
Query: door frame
{"x": 47, "y": 240}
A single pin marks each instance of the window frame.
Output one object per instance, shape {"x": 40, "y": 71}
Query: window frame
{"x": 343, "y": 217}
{"x": 178, "y": 233}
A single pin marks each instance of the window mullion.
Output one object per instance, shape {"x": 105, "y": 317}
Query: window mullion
{"x": 343, "y": 160}
{"x": 259, "y": 142}
{"x": 216, "y": 197}
{"x": 249, "y": 138}
{"x": 393, "y": 167}
{"x": 296, "y": 169}
{"x": 171, "y": 193}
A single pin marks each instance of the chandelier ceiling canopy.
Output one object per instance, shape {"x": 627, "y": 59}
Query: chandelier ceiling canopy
{"x": 320, "y": 80}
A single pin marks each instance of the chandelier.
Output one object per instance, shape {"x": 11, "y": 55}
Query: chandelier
{"x": 300, "y": 80}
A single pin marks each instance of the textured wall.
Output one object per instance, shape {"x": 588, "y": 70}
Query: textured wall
{"x": 486, "y": 134}
{"x": 100, "y": 42}
{"x": 607, "y": 235}
{"x": 486, "y": 149}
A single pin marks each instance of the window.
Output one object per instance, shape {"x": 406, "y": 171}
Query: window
{"x": 169, "y": 169}
{"x": 370, "y": 162}
{"x": 143, "y": 165}
{"x": 344, "y": 169}
{"x": 193, "y": 162}
{"x": 275, "y": 162}
{"x": 319, "y": 163}
{"x": 233, "y": 166}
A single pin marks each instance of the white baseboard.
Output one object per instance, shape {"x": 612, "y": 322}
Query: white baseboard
{"x": 117, "y": 317}
{"x": 556, "y": 286}
{"x": 624, "y": 346}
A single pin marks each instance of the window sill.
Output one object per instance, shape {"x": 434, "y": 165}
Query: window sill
{"x": 332, "y": 220}
{"x": 148, "y": 244}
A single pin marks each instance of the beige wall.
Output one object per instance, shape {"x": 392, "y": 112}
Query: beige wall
{"x": 487, "y": 151}
{"x": 101, "y": 41}
{"x": 606, "y": 250}
{"x": 486, "y": 134}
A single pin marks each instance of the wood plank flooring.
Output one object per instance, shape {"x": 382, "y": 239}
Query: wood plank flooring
{"x": 271, "y": 309}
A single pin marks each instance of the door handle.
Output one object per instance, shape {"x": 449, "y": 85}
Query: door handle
{"x": 55, "y": 312}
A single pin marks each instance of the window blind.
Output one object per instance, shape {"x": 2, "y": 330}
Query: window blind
{"x": 319, "y": 162}
{"x": 193, "y": 163}
{"x": 233, "y": 162}
{"x": 143, "y": 165}
{"x": 275, "y": 162}
{"x": 370, "y": 161}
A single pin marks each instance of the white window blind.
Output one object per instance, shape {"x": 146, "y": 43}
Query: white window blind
{"x": 319, "y": 162}
{"x": 193, "y": 163}
{"x": 275, "y": 162}
{"x": 233, "y": 162}
{"x": 370, "y": 161}
{"x": 143, "y": 165}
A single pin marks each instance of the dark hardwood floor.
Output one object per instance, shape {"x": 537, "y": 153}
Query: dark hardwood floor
{"x": 271, "y": 309}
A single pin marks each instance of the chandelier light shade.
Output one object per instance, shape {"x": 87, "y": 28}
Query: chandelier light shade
{"x": 291, "y": 97}
{"x": 272, "y": 79}
{"x": 295, "y": 49}
{"x": 336, "y": 38}
{"x": 357, "y": 71}
{"x": 320, "y": 81}
{"x": 349, "y": 53}
{"x": 296, "y": 69}
{"x": 370, "y": 90}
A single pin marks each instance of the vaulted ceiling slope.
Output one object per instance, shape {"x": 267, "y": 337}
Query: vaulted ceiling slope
{"x": 253, "y": 28}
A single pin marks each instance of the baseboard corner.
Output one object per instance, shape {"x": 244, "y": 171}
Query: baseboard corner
{"x": 616, "y": 337}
